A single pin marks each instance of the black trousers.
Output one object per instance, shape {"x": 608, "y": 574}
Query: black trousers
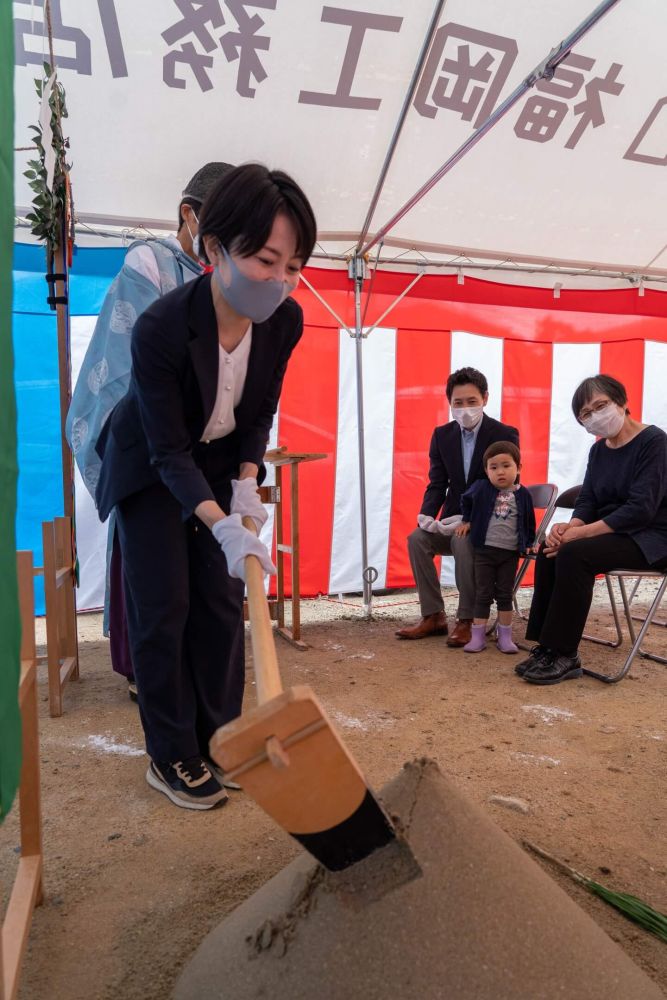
{"x": 185, "y": 625}
{"x": 495, "y": 571}
{"x": 119, "y": 642}
{"x": 564, "y": 587}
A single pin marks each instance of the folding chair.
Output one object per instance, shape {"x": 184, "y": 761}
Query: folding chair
{"x": 544, "y": 497}
{"x": 621, "y": 575}
{"x": 641, "y": 618}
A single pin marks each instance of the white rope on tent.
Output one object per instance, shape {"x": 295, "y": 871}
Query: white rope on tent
{"x": 405, "y": 291}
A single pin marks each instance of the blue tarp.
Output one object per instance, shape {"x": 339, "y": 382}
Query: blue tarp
{"x": 36, "y": 381}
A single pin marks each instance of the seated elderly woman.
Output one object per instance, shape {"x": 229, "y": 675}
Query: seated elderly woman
{"x": 619, "y": 522}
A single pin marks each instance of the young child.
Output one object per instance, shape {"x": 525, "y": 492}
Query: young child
{"x": 498, "y": 513}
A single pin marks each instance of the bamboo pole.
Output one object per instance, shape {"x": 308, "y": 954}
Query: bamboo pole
{"x": 65, "y": 380}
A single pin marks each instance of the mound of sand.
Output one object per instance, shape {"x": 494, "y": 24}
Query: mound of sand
{"x": 482, "y": 922}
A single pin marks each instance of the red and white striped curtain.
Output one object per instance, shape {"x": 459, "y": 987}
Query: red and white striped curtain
{"x": 534, "y": 350}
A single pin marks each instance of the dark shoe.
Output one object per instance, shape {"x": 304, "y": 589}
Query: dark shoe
{"x": 536, "y": 653}
{"x": 188, "y": 783}
{"x": 218, "y": 773}
{"x": 461, "y": 633}
{"x": 554, "y": 668}
{"x": 132, "y": 691}
{"x": 429, "y": 625}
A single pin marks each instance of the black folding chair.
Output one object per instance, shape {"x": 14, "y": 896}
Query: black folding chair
{"x": 544, "y": 496}
{"x": 636, "y": 639}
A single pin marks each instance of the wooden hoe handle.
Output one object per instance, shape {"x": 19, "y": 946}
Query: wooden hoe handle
{"x": 267, "y": 674}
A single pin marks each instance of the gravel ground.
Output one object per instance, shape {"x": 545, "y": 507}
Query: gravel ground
{"x": 133, "y": 884}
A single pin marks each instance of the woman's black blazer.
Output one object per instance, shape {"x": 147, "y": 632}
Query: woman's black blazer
{"x": 152, "y": 431}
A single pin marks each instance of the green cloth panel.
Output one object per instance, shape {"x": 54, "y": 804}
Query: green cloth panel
{"x": 10, "y": 719}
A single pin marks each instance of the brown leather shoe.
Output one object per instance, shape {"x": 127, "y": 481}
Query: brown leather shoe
{"x": 429, "y": 625}
{"x": 461, "y": 633}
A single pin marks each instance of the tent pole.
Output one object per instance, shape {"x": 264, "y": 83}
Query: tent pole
{"x": 545, "y": 70}
{"x": 369, "y": 573}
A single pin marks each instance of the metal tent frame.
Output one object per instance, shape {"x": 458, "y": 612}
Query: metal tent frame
{"x": 365, "y": 243}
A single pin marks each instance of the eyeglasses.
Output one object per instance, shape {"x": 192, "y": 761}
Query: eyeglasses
{"x": 596, "y": 407}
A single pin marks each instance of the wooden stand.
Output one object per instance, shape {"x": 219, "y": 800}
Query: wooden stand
{"x": 62, "y": 649}
{"x": 27, "y": 892}
{"x": 281, "y": 458}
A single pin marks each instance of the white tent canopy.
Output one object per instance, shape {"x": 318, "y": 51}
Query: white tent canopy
{"x": 367, "y": 105}
{"x": 574, "y": 174}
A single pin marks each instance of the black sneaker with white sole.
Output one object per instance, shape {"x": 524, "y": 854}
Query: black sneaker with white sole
{"x": 188, "y": 783}
{"x": 217, "y": 771}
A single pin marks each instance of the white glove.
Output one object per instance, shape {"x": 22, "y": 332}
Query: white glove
{"x": 246, "y": 502}
{"x": 425, "y": 522}
{"x": 448, "y": 525}
{"x": 236, "y": 543}
{"x": 445, "y": 527}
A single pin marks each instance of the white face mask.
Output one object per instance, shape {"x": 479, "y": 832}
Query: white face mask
{"x": 467, "y": 416}
{"x": 605, "y": 423}
{"x": 195, "y": 239}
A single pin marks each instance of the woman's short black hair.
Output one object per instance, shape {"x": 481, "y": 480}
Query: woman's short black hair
{"x": 241, "y": 209}
{"x": 501, "y": 448}
{"x": 598, "y": 383}
{"x": 466, "y": 376}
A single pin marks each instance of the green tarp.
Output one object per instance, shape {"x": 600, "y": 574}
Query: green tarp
{"x": 10, "y": 721}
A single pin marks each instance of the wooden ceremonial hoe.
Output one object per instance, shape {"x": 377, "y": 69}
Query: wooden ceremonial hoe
{"x": 287, "y": 755}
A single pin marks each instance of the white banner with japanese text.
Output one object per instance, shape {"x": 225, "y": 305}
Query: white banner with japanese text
{"x": 576, "y": 170}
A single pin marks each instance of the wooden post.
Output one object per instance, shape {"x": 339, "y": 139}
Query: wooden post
{"x": 27, "y": 891}
{"x": 24, "y": 562}
{"x": 62, "y": 653}
{"x": 29, "y": 795}
{"x": 51, "y": 602}
{"x": 279, "y": 458}
{"x": 65, "y": 549}
{"x": 296, "y": 575}
{"x": 65, "y": 381}
{"x": 280, "y": 555}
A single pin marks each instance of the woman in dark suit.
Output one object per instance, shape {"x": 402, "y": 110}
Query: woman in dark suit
{"x": 619, "y": 522}
{"x": 181, "y": 461}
